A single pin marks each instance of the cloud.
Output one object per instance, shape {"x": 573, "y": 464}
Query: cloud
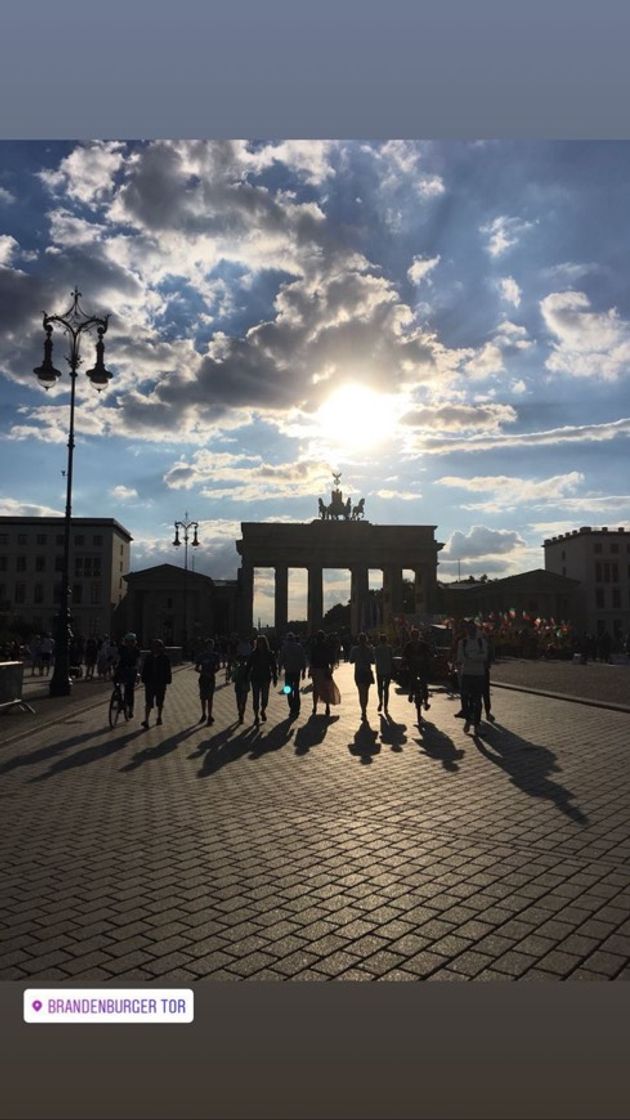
{"x": 584, "y": 433}
{"x": 481, "y": 542}
{"x": 421, "y": 267}
{"x": 509, "y": 493}
{"x": 588, "y": 343}
{"x": 216, "y": 555}
{"x": 12, "y": 507}
{"x": 510, "y": 291}
{"x": 6, "y": 198}
{"x": 401, "y": 495}
{"x": 87, "y": 174}
{"x": 123, "y": 493}
{"x": 488, "y": 361}
{"x": 8, "y": 247}
{"x": 504, "y": 233}
{"x": 246, "y": 478}
{"x": 460, "y": 417}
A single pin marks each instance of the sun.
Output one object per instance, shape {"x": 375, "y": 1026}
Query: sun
{"x": 354, "y": 417}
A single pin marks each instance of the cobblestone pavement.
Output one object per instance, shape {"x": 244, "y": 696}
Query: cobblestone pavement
{"x": 319, "y": 849}
{"x": 594, "y": 681}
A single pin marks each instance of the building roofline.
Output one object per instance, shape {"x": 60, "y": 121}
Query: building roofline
{"x": 585, "y": 531}
{"x": 104, "y": 522}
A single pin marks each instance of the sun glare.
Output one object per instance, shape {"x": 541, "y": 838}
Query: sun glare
{"x": 355, "y": 417}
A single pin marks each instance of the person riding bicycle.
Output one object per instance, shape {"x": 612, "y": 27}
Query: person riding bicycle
{"x": 417, "y": 654}
{"x": 126, "y": 670}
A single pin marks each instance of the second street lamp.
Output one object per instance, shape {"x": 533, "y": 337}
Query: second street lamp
{"x": 74, "y": 323}
{"x": 185, "y": 527}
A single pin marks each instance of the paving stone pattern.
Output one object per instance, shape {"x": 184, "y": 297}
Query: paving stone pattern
{"x": 320, "y": 849}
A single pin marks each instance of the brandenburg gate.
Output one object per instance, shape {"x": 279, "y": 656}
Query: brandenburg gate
{"x": 339, "y": 538}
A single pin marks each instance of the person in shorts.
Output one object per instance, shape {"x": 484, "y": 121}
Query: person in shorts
{"x": 207, "y": 664}
{"x": 156, "y": 676}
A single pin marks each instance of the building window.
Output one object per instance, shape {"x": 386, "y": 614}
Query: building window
{"x": 616, "y": 597}
{"x": 95, "y": 593}
{"x": 42, "y": 538}
{"x": 38, "y": 593}
{"x": 60, "y": 538}
{"x": 21, "y": 538}
{"x": 4, "y": 538}
{"x": 563, "y": 555}
{"x": 615, "y": 572}
{"x": 20, "y": 564}
{"x": 40, "y": 563}
{"x": 77, "y": 593}
{"x": 20, "y": 592}
{"x": 597, "y": 548}
{"x": 121, "y": 550}
{"x": 97, "y": 540}
{"x": 598, "y": 571}
{"x": 601, "y": 626}
{"x": 599, "y": 599}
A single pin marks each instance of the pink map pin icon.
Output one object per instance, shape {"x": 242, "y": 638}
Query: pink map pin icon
{"x": 37, "y": 1005}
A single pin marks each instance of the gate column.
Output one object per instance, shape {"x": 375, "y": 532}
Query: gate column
{"x": 315, "y": 597}
{"x": 281, "y": 613}
{"x": 359, "y": 598}
{"x": 246, "y": 598}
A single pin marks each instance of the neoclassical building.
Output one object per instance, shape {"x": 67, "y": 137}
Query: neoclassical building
{"x": 339, "y": 538}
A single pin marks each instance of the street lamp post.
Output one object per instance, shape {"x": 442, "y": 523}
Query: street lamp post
{"x": 185, "y": 527}
{"x": 74, "y": 323}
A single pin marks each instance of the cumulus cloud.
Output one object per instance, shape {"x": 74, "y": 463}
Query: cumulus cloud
{"x": 421, "y": 267}
{"x": 460, "y": 417}
{"x": 481, "y": 542}
{"x": 488, "y": 361}
{"x": 87, "y": 173}
{"x": 8, "y": 248}
{"x": 587, "y": 343}
{"x": 510, "y": 291}
{"x": 123, "y": 493}
{"x": 504, "y": 233}
{"x": 246, "y": 478}
{"x": 509, "y": 493}
{"x": 402, "y": 495}
{"x": 13, "y": 507}
{"x": 6, "y": 198}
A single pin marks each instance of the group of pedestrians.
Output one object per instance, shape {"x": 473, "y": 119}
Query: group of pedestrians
{"x": 254, "y": 668}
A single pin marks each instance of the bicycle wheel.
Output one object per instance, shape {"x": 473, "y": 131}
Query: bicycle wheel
{"x": 115, "y": 707}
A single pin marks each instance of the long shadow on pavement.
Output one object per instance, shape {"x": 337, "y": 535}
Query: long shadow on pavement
{"x": 44, "y": 754}
{"x": 273, "y": 738}
{"x": 439, "y": 746}
{"x": 222, "y": 749}
{"x": 90, "y": 754}
{"x": 152, "y": 754}
{"x": 527, "y": 765}
{"x": 393, "y": 734}
{"x": 312, "y": 733}
{"x": 365, "y": 744}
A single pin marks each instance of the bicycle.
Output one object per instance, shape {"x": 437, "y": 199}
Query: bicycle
{"x": 117, "y": 706}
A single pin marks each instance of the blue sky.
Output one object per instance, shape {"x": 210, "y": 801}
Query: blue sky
{"x": 447, "y": 323}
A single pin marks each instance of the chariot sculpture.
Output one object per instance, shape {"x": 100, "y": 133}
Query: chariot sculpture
{"x": 340, "y": 509}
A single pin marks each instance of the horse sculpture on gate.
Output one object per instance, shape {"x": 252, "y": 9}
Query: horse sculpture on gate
{"x": 338, "y": 508}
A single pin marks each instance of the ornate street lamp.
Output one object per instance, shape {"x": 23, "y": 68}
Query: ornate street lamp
{"x": 185, "y": 527}
{"x": 74, "y": 323}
